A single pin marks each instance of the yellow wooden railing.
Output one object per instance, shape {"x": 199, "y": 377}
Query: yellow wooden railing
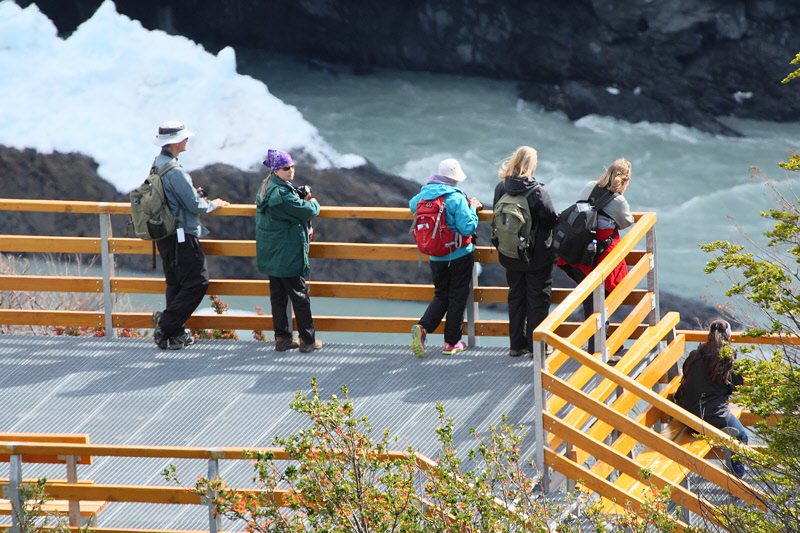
{"x": 106, "y": 245}
{"x": 592, "y": 419}
{"x": 44, "y": 448}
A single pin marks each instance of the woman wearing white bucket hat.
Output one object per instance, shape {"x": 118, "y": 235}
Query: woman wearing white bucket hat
{"x": 451, "y": 272}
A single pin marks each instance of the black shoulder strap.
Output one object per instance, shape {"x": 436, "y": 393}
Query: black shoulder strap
{"x": 600, "y": 197}
{"x": 536, "y": 186}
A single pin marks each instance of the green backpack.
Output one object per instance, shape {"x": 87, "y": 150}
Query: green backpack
{"x": 150, "y": 214}
{"x": 513, "y": 226}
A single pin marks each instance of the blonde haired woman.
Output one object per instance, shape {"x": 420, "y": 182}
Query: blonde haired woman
{"x": 616, "y": 215}
{"x": 530, "y": 278}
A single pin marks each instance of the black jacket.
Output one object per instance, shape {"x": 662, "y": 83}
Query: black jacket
{"x": 545, "y": 215}
{"x": 707, "y": 399}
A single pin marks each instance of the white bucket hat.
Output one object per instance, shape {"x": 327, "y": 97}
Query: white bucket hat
{"x": 171, "y": 132}
{"x": 449, "y": 168}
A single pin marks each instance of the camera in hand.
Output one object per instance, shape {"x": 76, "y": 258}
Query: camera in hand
{"x": 202, "y": 192}
{"x": 303, "y": 191}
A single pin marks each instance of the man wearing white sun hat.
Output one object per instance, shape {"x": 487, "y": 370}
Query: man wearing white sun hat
{"x": 182, "y": 256}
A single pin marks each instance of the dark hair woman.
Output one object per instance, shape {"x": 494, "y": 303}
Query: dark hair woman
{"x": 709, "y": 381}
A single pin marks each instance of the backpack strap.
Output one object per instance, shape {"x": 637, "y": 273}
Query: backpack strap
{"x": 166, "y": 169}
{"x": 601, "y": 197}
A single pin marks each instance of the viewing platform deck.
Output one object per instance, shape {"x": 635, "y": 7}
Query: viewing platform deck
{"x": 237, "y": 393}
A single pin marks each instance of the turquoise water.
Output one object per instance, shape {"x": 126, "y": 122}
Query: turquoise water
{"x": 406, "y": 122}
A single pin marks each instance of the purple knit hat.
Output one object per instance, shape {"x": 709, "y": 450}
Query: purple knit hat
{"x": 277, "y": 159}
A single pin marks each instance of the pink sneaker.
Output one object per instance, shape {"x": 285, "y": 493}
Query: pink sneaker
{"x": 418, "y": 340}
{"x": 457, "y": 347}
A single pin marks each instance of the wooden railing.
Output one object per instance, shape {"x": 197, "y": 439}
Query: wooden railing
{"x": 58, "y": 448}
{"x": 106, "y": 245}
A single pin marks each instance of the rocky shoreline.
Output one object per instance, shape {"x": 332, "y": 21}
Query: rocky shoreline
{"x": 29, "y": 174}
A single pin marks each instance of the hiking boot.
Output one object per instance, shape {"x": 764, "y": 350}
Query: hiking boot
{"x": 518, "y": 353}
{"x": 614, "y": 359}
{"x": 283, "y": 343}
{"x": 306, "y": 348}
{"x": 418, "y": 340}
{"x": 455, "y": 348}
{"x": 187, "y": 339}
{"x": 170, "y": 344}
{"x": 156, "y": 318}
{"x": 158, "y": 336}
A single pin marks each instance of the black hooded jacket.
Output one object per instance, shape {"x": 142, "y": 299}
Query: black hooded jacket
{"x": 545, "y": 215}
{"x": 707, "y": 399}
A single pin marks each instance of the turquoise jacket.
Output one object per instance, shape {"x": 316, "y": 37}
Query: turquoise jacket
{"x": 459, "y": 215}
{"x": 281, "y": 229}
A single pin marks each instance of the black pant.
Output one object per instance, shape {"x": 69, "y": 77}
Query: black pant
{"x": 451, "y": 281}
{"x": 281, "y": 290}
{"x": 186, "y": 273}
{"x": 529, "y": 295}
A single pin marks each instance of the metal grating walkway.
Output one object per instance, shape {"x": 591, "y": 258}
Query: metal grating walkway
{"x": 237, "y": 393}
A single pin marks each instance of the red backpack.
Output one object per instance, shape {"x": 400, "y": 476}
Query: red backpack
{"x": 432, "y": 235}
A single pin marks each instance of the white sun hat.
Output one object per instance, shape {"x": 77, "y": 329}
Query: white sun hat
{"x": 449, "y": 168}
{"x": 171, "y": 132}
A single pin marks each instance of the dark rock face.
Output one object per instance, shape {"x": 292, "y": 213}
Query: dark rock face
{"x": 684, "y": 61}
{"x": 28, "y": 174}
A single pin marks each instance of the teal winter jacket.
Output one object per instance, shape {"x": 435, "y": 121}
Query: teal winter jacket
{"x": 281, "y": 229}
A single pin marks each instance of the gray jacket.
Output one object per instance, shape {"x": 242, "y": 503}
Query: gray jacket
{"x": 617, "y": 209}
{"x": 182, "y": 197}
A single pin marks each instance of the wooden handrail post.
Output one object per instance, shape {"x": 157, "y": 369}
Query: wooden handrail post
{"x": 599, "y": 304}
{"x": 107, "y": 262}
{"x": 13, "y": 494}
{"x": 652, "y": 277}
{"x": 72, "y": 477}
{"x": 540, "y": 405}
{"x": 214, "y": 522}
{"x": 685, "y": 515}
{"x": 571, "y": 454}
{"x": 472, "y": 309}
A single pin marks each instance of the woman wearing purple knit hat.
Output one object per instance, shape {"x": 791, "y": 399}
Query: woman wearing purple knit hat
{"x": 283, "y": 217}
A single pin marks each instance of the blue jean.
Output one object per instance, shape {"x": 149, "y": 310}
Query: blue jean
{"x": 733, "y": 422}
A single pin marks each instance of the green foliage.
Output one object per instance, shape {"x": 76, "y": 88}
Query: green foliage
{"x": 794, "y": 161}
{"x": 342, "y": 477}
{"x": 796, "y": 73}
{"x": 766, "y": 274}
{"x": 35, "y": 517}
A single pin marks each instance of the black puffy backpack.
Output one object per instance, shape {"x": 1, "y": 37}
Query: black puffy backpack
{"x": 575, "y": 234}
